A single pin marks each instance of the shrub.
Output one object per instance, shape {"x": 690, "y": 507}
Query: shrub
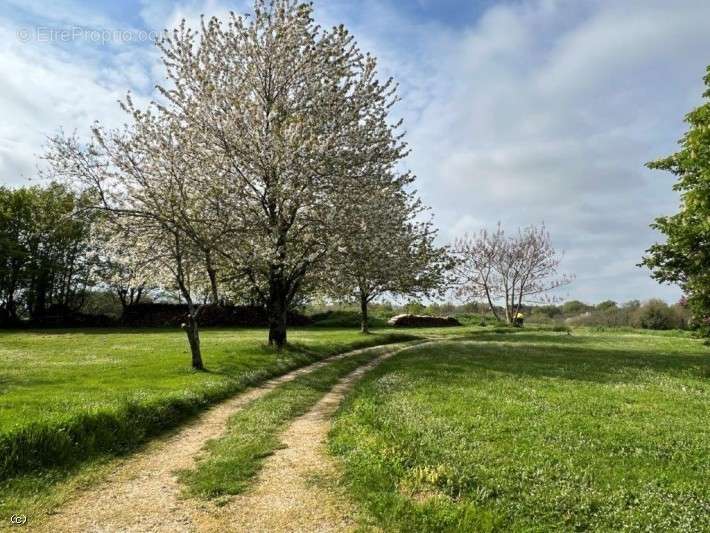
{"x": 575, "y": 307}
{"x": 606, "y": 305}
{"x": 549, "y": 311}
{"x": 656, "y": 314}
{"x": 414, "y": 307}
{"x": 345, "y": 319}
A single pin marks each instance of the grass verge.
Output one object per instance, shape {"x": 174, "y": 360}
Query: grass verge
{"x": 230, "y": 463}
{"x": 533, "y": 431}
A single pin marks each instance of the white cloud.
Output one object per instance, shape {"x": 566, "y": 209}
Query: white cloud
{"x": 545, "y": 114}
{"x": 539, "y": 110}
{"x": 54, "y": 84}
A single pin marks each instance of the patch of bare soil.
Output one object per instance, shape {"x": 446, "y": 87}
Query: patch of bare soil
{"x": 143, "y": 494}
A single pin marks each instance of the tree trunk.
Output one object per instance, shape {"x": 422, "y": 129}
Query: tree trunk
{"x": 277, "y": 325}
{"x": 490, "y": 304}
{"x": 508, "y": 317}
{"x": 364, "y": 326}
{"x": 39, "y": 306}
{"x": 193, "y": 337}
{"x": 124, "y": 312}
{"x": 212, "y": 273}
{"x": 277, "y": 310}
{"x": 11, "y": 308}
{"x": 191, "y": 326}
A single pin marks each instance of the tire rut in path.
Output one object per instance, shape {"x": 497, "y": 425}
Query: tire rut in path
{"x": 291, "y": 491}
{"x": 142, "y": 494}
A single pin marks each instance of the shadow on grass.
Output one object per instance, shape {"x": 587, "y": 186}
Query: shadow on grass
{"x": 304, "y": 355}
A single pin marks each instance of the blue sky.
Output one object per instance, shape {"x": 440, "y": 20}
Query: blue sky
{"x": 517, "y": 111}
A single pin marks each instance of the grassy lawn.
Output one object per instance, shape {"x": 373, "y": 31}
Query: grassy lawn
{"x": 69, "y": 400}
{"x": 534, "y": 431}
{"x": 52, "y": 375}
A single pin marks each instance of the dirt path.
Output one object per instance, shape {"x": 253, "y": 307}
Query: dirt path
{"x": 142, "y": 493}
{"x": 291, "y": 492}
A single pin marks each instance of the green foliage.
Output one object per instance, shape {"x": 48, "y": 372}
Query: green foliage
{"x": 654, "y": 314}
{"x": 685, "y": 256}
{"x": 533, "y": 431}
{"x": 631, "y": 305}
{"x": 606, "y": 305}
{"x": 575, "y": 307}
{"x": 44, "y": 251}
{"x": 102, "y": 302}
{"x": 414, "y": 307}
{"x": 549, "y": 311}
{"x": 347, "y": 319}
{"x": 232, "y": 461}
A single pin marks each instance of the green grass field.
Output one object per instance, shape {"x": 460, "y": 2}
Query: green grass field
{"x": 533, "y": 431}
{"x": 488, "y": 429}
{"x": 70, "y": 400}
{"x": 47, "y": 376}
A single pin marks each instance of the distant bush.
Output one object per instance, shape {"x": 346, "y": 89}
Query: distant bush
{"x": 345, "y": 319}
{"x": 549, "y": 311}
{"x": 654, "y": 314}
{"x": 414, "y": 307}
{"x": 604, "y": 318}
{"x": 475, "y": 319}
{"x": 606, "y": 305}
{"x": 575, "y": 307}
{"x": 102, "y": 303}
{"x": 72, "y": 320}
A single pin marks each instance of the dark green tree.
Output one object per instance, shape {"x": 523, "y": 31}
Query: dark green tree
{"x": 684, "y": 258}
{"x": 45, "y": 251}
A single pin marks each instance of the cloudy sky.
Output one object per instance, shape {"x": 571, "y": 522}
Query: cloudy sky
{"x": 518, "y": 111}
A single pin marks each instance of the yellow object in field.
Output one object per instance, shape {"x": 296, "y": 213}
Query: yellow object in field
{"x": 520, "y": 316}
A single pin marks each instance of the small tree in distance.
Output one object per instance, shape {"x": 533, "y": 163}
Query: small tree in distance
{"x": 382, "y": 247}
{"x": 511, "y": 270}
{"x": 121, "y": 265}
{"x": 141, "y": 180}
